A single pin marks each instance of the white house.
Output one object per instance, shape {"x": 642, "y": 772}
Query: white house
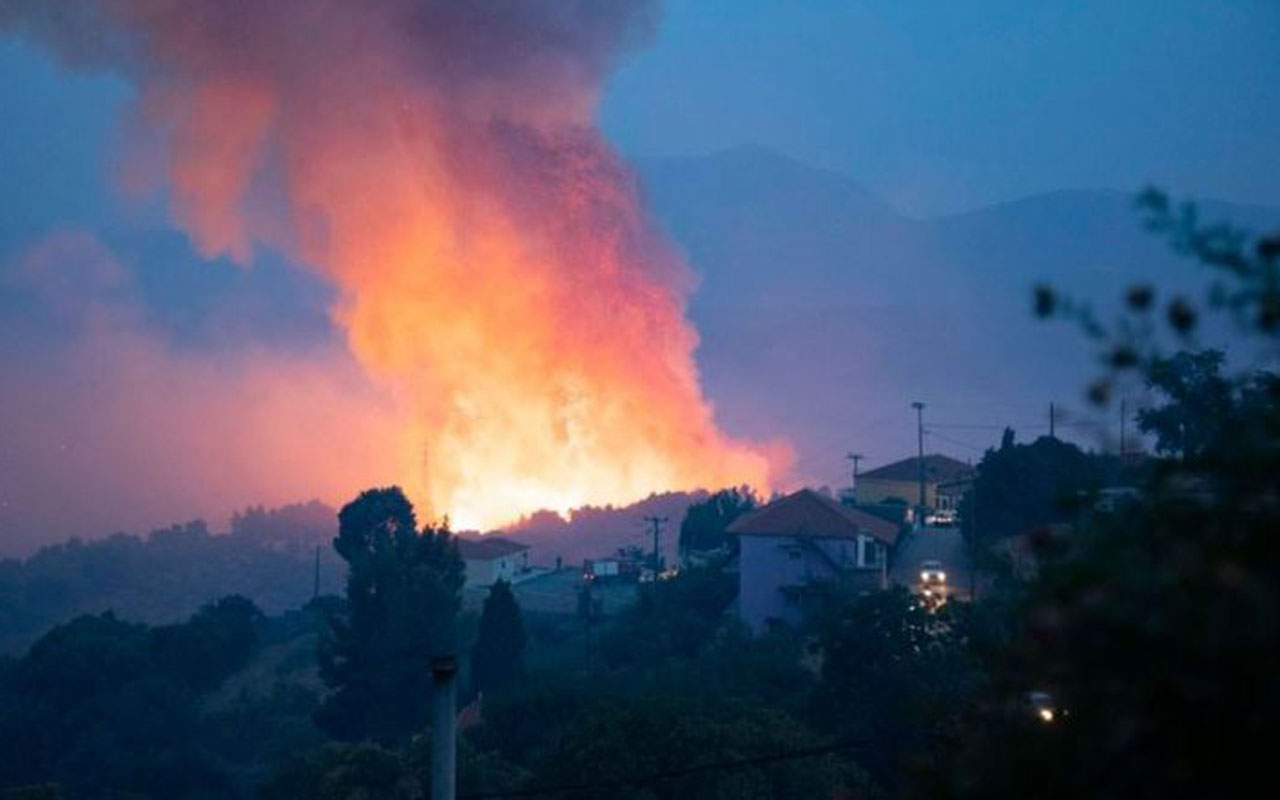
{"x": 796, "y": 540}
{"x": 490, "y": 559}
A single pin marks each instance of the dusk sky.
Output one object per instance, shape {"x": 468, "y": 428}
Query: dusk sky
{"x": 944, "y": 106}
{"x": 934, "y": 108}
{"x": 938, "y": 107}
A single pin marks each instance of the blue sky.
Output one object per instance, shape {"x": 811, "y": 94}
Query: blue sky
{"x": 942, "y": 106}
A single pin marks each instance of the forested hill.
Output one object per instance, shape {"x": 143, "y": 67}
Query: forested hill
{"x": 268, "y": 556}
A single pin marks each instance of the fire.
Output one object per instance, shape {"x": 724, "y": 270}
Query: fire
{"x": 438, "y": 162}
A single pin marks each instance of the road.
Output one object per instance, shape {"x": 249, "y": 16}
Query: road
{"x": 933, "y": 544}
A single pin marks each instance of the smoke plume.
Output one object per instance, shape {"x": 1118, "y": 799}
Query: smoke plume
{"x": 438, "y": 162}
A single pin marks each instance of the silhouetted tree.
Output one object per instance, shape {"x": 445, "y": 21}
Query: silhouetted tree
{"x": 211, "y": 645}
{"x": 1203, "y": 407}
{"x": 672, "y": 619}
{"x": 403, "y": 596}
{"x": 497, "y": 659}
{"x": 1156, "y": 628}
{"x": 704, "y": 524}
{"x": 366, "y": 771}
{"x": 1022, "y": 486}
{"x": 109, "y": 709}
{"x": 895, "y": 674}
{"x": 631, "y": 737}
{"x": 44, "y": 792}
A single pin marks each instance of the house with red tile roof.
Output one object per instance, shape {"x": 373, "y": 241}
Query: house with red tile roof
{"x": 798, "y": 540}
{"x": 490, "y": 559}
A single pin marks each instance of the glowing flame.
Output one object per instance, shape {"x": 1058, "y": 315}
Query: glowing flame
{"x": 439, "y": 163}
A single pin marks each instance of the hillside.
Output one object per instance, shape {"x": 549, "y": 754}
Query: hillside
{"x": 812, "y": 284}
{"x": 269, "y": 557}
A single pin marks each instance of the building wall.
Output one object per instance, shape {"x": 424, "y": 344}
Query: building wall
{"x": 769, "y": 564}
{"x": 486, "y": 572}
{"x": 878, "y": 490}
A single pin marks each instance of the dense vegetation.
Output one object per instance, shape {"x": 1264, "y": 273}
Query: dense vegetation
{"x": 1134, "y": 661}
{"x": 269, "y": 556}
{"x": 108, "y": 708}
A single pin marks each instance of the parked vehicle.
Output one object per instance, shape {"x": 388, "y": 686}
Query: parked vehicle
{"x": 945, "y": 518}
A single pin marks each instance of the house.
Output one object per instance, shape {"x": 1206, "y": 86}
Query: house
{"x": 796, "y": 540}
{"x": 945, "y": 482}
{"x": 490, "y": 559}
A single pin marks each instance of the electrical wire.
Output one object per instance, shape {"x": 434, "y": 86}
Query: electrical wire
{"x": 957, "y": 442}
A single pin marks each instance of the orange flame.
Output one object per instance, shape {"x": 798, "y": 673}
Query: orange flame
{"x": 439, "y": 164}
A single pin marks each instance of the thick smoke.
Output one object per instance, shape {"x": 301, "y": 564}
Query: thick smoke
{"x": 106, "y": 424}
{"x": 437, "y": 161}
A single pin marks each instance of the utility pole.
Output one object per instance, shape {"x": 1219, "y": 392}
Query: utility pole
{"x": 657, "y": 523}
{"x": 315, "y": 589}
{"x": 1052, "y": 422}
{"x": 919, "y": 407}
{"x": 855, "y": 458}
{"x": 586, "y": 608}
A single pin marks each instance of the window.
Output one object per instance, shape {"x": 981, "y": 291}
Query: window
{"x": 870, "y": 553}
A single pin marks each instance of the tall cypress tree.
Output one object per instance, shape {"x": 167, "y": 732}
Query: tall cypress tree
{"x": 403, "y": 597}
{"x": 497, "y": 659}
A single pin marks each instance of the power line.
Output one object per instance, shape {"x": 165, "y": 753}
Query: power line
{"x": 683, "y": 772}
{"x": 1015, "y": 425}
{"x": 948, "y": 439}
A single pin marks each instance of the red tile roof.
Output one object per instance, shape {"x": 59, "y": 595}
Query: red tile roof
{"x": 487, "y": 548}
{"x": 809, "y": 514}
{"x": 937, "y": 469}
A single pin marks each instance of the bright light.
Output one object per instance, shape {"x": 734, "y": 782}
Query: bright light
{"x": 1046, "y": 715}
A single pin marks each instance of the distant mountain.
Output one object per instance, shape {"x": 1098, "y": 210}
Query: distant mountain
{"x": 760, "y": 227}
{"x": 824, "y": 313}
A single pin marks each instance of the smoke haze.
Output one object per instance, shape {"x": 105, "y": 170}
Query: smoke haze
{"x": 514, "y": 327}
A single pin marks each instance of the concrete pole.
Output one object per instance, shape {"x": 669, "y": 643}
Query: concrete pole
{"x": 444, "y": 728}
{"x": 919, "y": 407}
{"x": 657, "y": 523}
